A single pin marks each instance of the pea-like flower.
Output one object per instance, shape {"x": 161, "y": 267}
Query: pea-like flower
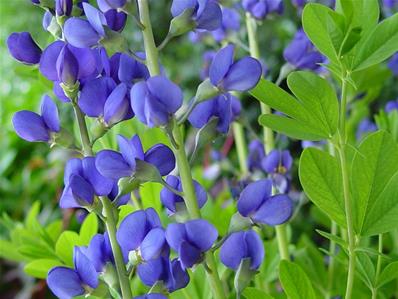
{"x": 23, "y": 48}
{"x": 155, "y": 100}
{"x": 67, "y": 283}
{"x": 256, "y": 155}
{"x": 191, "y": 240}
{"x": 225, "y": 107}
{"x": 257, "y": 202}
{"x": 230, "y": 23}
{"x": 115, "y": 20}
{"x": 228, "y": 75}
{"x": 277, "y": 162}
{"x": 82, "y": 182}
{"x": 171, "y": 273}
{"x": 63, "y": 63}
{"x": 63, "y": 7}
{"x": 302, "y": 54}
{"x": 242, "y": 245}
{"x": 206, "y": 14}
{"x": 174, "y": 202}
{"x": 116, "y": 165}
{"x": 106, "y": 5}
{"x": 99, "y": 252}
{"x": 34, "y": 127}
{"x": 259, "y": 9}
{"x": 142, "y": 231}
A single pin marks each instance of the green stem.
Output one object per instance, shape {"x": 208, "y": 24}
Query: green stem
{"x": 378, "y": 266}
{"x": 108, "y": 211}
{"x": 269, "y": 142}
{"x": 331, "y": 266}
{"x": 239, "y": 137}
{"x": 179, "y": 149}
{"x": 346, "y": 191}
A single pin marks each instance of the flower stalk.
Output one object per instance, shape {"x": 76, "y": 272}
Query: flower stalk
{"x": 179, "y": 149}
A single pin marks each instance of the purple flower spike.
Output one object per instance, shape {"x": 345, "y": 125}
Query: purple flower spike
{"x": 242, "y": 245}
{"x": 171, "y": 273}
{"x": 34, "y": 127}
{"x": 82, "y": 181}
{"x": 151, "y": 104}
{"x": 206, "y": 14}
{"x": 67, "y": 283}
{"x": 302, "y": 54}
{"x": 191, "y": 240}
{"x": 23, "y": 48}
{"x": 225, "y": 107}
{"x": 391, "y": 106}
{"x": 63, "y": 7}
{"x": 142, "y": 231}
{"x": 256, "y": 155}
{"x": 259, "y": 9}
{"x": 257, "y": 203}
{"x": 228, "y": 75}
{"x": 171, "y": 200}
{"x": 277, "y": 162}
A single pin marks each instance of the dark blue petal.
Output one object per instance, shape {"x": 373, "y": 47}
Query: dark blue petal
{"x": 178, "y": 278}
{"x": 179, "y": 6}
{"x": 152, "y": 218}
{"x": 189, "y": 255}
{"x": 68, "y": 200}
{"x": 127, "y": 150}
{"x": 64, "y": 283}
{"x": 162, "y": 157}
{"x": 112, "y": 165}
{"x": 117, "y": 105}
{"x": 172, "y": 99}
{"x": 151, "y": 271}
{"x": 201, "y": 233}
{"x": 23, "y": 48}
{"x": 30, "y": 126}
{"x": 255, "y": 249}
{"x": 81, "y": 190}
{"x": 233, "y": 250}
{"x": 95, "y": 18}
{"x": 49, "y": 114}
{"x": 67, "y": 67}
{"x": 153, "y": 243}
{"x": 211, "y": 17}
{"x": 221, "y": 63}
{"x": 175, "y": 235}
{"x": 48, "y": 60}
{"x": 87, "y": 61}
{"x": 115, "y": 20}
{"x": 84, "y": 268}
{"x": 243, "y": 75}
{"x": 73, "y": 166}
{"x": 253, "y": 196}
{"x": 101, "y": 184}
{"x": 202, "y": 113}
{"x": 96, "y": 252}
{"x": 275, "y": 210}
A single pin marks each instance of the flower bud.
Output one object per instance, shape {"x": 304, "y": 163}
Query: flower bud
{"x": 23, "y": 48}
{"x": 63, "y": 7}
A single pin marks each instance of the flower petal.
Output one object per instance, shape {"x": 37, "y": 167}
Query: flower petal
{"x": 153, "y": 243}
{"x": 201, "y": 233}
{"x": 48, "y": 60}
{"x": 112, "y": 165}
{"x": 175, "y": 235}
{"x": 255, "y": 249}
{"x": 253, "y": 196}
{"x": 211, "y": 17}
{"x": 151, "y": 271}
{"x": 172, "y": 99}
{"x": 233, "y": 250}
{"x": 49, "y": 114}
{"x": 221, "y": 63}
{"x": 79, "y": 33}
{"x": 243, "y": 75}
{"x": 189, "y": 255}
{"x": 275, "y": 210}
{"x": 30, "y": 126}
{"x": 64, "y": 283}
{"x": 162, "y": 157}
{"x": 81, "y": 190}
{"x": 102, "y": 185}
{"x": 84, "y": 268}
{"x": 117, "y": 105}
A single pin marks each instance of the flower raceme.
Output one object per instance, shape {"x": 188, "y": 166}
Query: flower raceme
{"x": 190, "y": 240}
{"x": 257, "y": 202}
{"x": 34, "y": 127}
{"x": 115, "y": 165}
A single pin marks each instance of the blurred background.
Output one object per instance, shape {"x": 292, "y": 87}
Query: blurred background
{"x": 31, "y": 174}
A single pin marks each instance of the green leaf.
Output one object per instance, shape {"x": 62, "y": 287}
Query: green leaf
{"x": 31, "y": 221}
{"x": 325, "y": 28}
{"x": 365, "y": 269}
{"x": 312, "y": 117}
{"x": 89, "y": 228}
{"x": 64, "y": 246}
{"x": 374, "y": 185}
{"x": 334, "y": 238}
{"x": 379, "y": 45}
{"x": 253, "y": 293}
{"x": 294, "y": 281}
{"x": 39, "y": 268}
{"x": 320, "y": 176}
{"x": 390, "y": 272}
{"x": 9, "y": 251}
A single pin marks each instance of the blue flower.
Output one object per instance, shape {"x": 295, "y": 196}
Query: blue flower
{"x": 259, "y": 9}
{"x": 23, "y": 48}
{"x": 116, "y": 165}
{"x": 191, "y": 240}
{"x": 174, "y": 202}
{"x": 242, "y": 245}
{"x": 34, "y": 127}
{"x": 366, "y": 126}
{"x": 205, "y": 13}
{"x": 257, "y": 202}
{"x": 63, "y": 7}
{"x": 230, "y": 23}
{"x": 142, "y": 231}
{"x": 391, "y": 106}
{"x": 82, "y": 182}
{"x": 225, "y": 107}
{"x": 151, "y": 104}
{"x": 99, "y": 252}
{"x": 393, "y": 64}
{"x": 171, "y": 273}
{"x": 277, "y": 162}
{"x": 67, "y": 283}
{"x": 256, "y": 155}
{"x": 302, "y": 54}
{"x": 228, "y": 75}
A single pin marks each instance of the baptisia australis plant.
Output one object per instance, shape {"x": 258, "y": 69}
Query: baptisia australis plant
{"x": 149, "y": 251}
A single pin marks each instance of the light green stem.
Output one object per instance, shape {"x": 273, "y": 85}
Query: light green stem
{"x": 378, "y": 266}
{"x": 241, "y": 149}
{"x": 108, "y": 211}
{"x": 346, "y": 190}
{"x": 179, "y": 150}
{"x": 331, "y": 266}
{"x": 269, "y": 142}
